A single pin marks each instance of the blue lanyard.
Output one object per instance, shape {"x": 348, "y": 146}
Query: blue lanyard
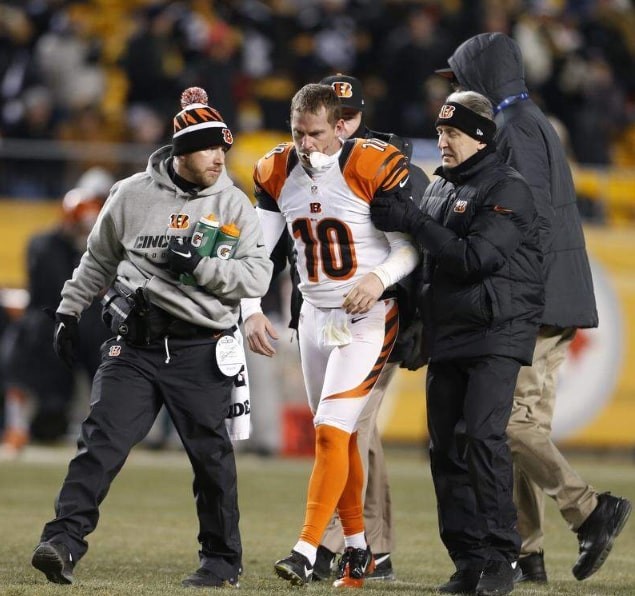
{"x": 508, "y": 101}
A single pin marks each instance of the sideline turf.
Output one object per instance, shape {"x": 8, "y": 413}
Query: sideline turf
{"x": 145, "y": 543}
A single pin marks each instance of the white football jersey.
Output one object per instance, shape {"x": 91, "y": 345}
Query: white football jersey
{"x": 328, "y": 216}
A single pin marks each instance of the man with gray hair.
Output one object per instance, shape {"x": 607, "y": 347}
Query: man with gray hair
{"x": 482, "y": 297}
{"x": 492, "y": 64}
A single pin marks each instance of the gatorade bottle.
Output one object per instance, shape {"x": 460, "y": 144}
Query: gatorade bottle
{"x": 203, "y": 240}
{"x": 205, "y": 235}
{"x": 226, "y": 241}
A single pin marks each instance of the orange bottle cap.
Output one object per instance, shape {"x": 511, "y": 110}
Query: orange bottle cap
{"x": 210, "y": 219}
{"x": 230, "y": 229}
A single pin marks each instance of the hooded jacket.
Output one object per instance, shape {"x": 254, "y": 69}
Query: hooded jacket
{"x": 129, "y": 242}
{"x": 491, "y": 64}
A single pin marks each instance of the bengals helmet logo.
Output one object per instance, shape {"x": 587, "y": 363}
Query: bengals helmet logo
{"x": 446, "y": 111}
{"x": 460, "y": 206}
{"x": 227, "y": 136}
{"x": 179, "y": 221}
{"x": 343, "y": 89}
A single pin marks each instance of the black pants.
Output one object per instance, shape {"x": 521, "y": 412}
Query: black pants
{"x": 129, "y": 388}
{"x": 469, "y": 402}
{"x": 32, "y": 364}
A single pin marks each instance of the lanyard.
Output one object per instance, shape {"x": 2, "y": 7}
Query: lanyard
{"x": 508, "y": 101}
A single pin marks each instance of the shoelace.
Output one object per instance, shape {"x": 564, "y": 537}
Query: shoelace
{"x": 357, "y": 561}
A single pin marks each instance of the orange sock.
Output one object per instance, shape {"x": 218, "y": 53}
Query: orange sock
{"x": 16, "y": 431}
{"x": 330, "y": 471}
{"x": 350, "y": 507}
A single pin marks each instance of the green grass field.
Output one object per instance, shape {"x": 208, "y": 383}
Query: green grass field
{"x": 146, "y": 541}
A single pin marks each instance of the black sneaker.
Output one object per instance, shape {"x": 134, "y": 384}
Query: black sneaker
{"x": 497, "y": 578}
{"x": 353, "y": 566}
{"x": 597, "y": 534}
{"x": 383, "y": 568}
{"x": 205, "y": 578}
{"x": 532, "y": 569}
{"x": 324, "y": 563}
{"x": 55, "y": 561}
{"x": 295, "y": 568}
{"x": 462, "y": 581}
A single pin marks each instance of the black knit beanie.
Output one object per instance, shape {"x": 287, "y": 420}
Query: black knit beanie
{"x": 198, "y": 126}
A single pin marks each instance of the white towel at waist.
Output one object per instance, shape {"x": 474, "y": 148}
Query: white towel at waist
{"x": 238, "y": 422}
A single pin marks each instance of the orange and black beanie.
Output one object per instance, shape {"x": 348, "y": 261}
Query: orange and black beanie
{"x": 198, "y": 126}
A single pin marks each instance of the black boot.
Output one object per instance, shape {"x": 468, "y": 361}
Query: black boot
{"x": 463, "y": 581}
{"x": 205, "y": 578}
{"x": 497, "y": 578}
{"x": 532, "y": 568}
{"x": 55, "y": 561}
{"x": 597, "y": 534}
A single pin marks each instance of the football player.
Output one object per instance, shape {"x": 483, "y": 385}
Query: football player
{"x": 320, "y": 188}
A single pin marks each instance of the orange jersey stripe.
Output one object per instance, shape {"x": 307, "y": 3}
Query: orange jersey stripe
{"x": 366, "y": 386}
{"x": 374, "y": 165}
{"x": 270, "y": 171}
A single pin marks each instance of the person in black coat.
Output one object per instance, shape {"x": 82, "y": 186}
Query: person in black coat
{"x": 492, "y": 64}
{"x": 483, "y": 298}
{"x": 32, "y": 369}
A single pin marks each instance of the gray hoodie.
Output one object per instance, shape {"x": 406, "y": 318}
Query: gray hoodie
{"x": 129, "y": 242}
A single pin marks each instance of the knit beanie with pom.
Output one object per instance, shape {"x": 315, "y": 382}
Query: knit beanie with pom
{"x": 198, "y": 126}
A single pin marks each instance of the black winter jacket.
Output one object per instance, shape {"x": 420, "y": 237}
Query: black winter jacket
{"x": 491, "y": 64}
{"x": 484, "y": 290}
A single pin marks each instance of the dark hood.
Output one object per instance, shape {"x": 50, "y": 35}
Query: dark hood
{"x": 491, "y": 64}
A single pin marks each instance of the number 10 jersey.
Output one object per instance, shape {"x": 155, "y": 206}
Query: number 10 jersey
{"x": 328, "y": 215}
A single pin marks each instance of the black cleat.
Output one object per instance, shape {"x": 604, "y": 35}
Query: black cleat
{"x": 295, "y": 568}
{"x": 383, "y": 568}
{"x": 324, "y": 562}
{"x": 532, "y": 569}
{"x": 597, "y": 534}
{"x": 462, "y": 581}
{"x": 497, "y": 579}
{"x": 55, "y": 561}
{"x": 353, "y": 566}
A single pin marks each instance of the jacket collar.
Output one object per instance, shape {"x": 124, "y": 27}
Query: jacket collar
{"x": 467, "y": 169}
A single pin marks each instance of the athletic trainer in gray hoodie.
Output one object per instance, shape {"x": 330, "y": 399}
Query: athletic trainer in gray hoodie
{"x": 174, "y": 314}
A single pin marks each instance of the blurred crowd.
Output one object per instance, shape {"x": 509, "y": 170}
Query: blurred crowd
{"x": 110, "y": 71}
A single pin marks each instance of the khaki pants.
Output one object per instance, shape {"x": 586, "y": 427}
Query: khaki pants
{"x": 377, "y": 508}
{"x": 539, "y": 467}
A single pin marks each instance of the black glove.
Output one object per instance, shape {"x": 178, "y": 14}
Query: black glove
{"x": 66, "y": 338}
{"x": 392, "y": 213}
{"x": 182, "y": 256}
{"x": 415, "y": 348}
